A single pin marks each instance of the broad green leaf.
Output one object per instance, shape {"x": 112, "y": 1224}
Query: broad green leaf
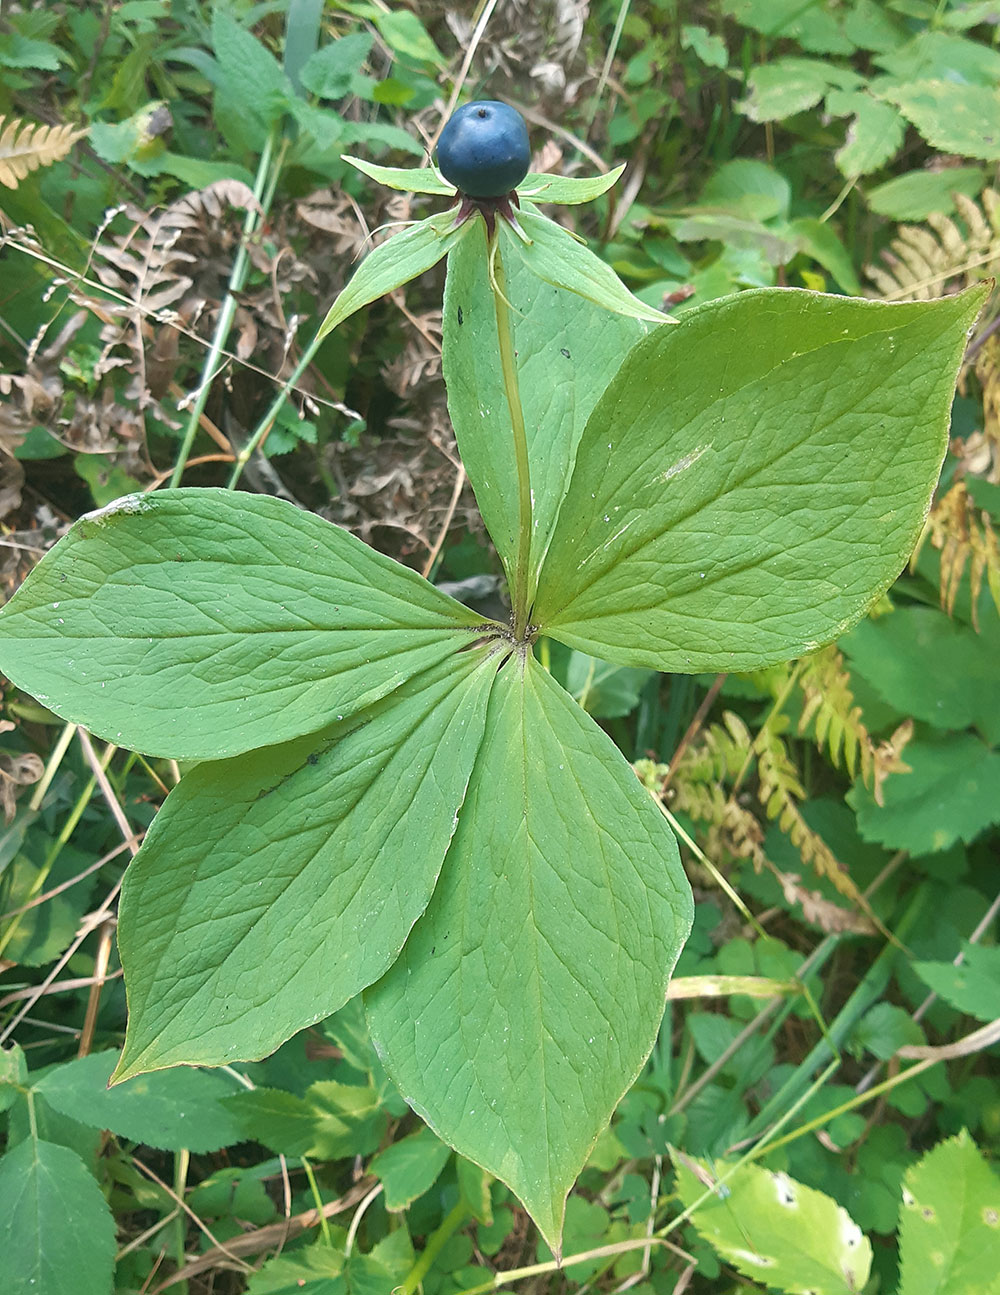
{"x": 951, "y": 793}
{"x": 13, "y": 1074}
{"x": 59, "y": 1236}
{"x": 568, "y": 351}
{"x": 883, "y": 1030}
{"x": 973, "y": 986}
{"x": 565, "y": 189}
{"x": 410, "y": 1167}
{"x": 949, "y": 1227}
{"x": 898, "y": 653}
{"x": 351, "y": 1119}
{"x": 940, "y": 56}
{"x": 199, "y": 623}
{"x": 528, "y": 996}
{"x": 745, "y": 187}
{"x": 819, "y": 240}
{"x": 776, "y": 1230}
{"x": 174, "y": 1109}
{"x": 280, "y": 1121}
{"x": 560, "y": 259}
{"x": 750, "y": 482}
{"x": 250, "y": 75}
{"x": 604, "y": 690}
{"x": 914, "y": 195}
{"x": 954, "y": 118}
{"x": 273, "y": 887}
{"x": 396, "y": 261}
{"x": 316, "y": 1270}
{"x": 330, "y": 71}
{"x": 710, "y": 49}
{"x": 410, "y": 179}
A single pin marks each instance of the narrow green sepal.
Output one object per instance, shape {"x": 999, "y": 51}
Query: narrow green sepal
{"x": 395, "y": 262}
{"x": 565, "y": 189}
{"x": 408, "y": 179}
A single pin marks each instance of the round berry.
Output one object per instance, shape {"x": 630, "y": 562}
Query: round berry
{"x": 483, "y": 150}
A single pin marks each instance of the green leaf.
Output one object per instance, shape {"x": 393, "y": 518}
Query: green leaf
{"x": 952, "y": 793}
{"x": 395, "y": 262}
{"x": 351, "y": 1119}
{"x": 558, "y": 258}
{"x": 528, "y": 996}
{"x": 873, "y": 137}
{"x": 949, "y": 1229}
{"x": 13, "y": 1074}
{"x": 277, "y": 1120}
{"x": 898, "y": 653}
{"x": 818, "y": 239}
{"x": 940, "y": 56}
{"x": 251, "y": 77}
{"x": 914, "y": 195}
{"x": 317, "y": 1270}
{"x": 568, "y": 351}
{"x": 171, "y": 1110}
{"x": 972, "y": 987}
{"x": 744, "y": 187}
{"x": 417, "y": 179}
{"x": 200, "y": 623}
{"x": 710, "y": 49}
{"x": 963, "y": 119}
{"x": 604, "y": 690}
{"x": 329, "y": 73}
{"x": 405, "y": 34}
{"x": 41, "y": 1183}
{"x": 410, "y": 1167}
{"x": 786, "y": 86}
{"x": 774, "y": 1229}
{"x": 751, "y": 481}
{"x": 883, "y": 1030}
{"x": 568, "y": 190}
{"x": 273, "y": 887}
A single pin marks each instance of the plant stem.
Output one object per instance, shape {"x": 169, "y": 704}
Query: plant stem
{"x": 520, "y": 593}
{"x": 265, "y": 180}
{"x": 267, "y": 422}
{"x": 450, "y": 1224}
{"x": 182, "y": 1160}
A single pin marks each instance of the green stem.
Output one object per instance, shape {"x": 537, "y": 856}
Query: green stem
{"x": 520, "y": 593}
{"x": 182, "y": 1160}
{"x": 450, "y": 1224}
{"x": 265, "y": 180}
{"x": 267, "y": 422}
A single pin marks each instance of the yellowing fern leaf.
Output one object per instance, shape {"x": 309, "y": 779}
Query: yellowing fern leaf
{"x": 25, "y": 146}
{"x": 964, "y": 536}
{"x": 925, "y": 261}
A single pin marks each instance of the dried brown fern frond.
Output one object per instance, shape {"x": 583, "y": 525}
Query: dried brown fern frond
{"x": 940, "y": 257}
{"x": 25, "y": 146}
{"x": 981, "y": 451}
{"x": 964, "y": 536}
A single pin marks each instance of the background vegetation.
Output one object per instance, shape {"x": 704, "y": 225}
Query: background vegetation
{"x": 176, "y": 219}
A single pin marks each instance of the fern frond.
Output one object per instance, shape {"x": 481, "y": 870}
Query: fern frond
{"x": 829, "y": 704}
{"x": 25, "y": 146}
{"x": 964, "y": 536}
{"x": 720, "y": 751}
{"x": 939, "y": 257}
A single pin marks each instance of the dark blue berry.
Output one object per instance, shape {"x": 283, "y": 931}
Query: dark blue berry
{"x": 483, "y": 150}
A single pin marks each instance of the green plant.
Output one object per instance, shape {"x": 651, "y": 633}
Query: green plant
{"x": 722, "y": 495}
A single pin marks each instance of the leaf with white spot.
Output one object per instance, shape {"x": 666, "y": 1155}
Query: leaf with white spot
{"x": 776, "y": 1230}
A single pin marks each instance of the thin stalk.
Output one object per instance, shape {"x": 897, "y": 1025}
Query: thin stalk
{"x": 237, "y": 277}
{"x": 520, "y": 592}
{"x": 182, "y": 1160}
{"x": 267, "y": 422}
{"x": 450, "y": 1224}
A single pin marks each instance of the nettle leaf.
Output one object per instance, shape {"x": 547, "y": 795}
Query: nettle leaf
{"x": 528, "y": 996}
{"x": 774, "y": 1229}
{"x": 748, "y": 484}
{"x": 395, "y": 262}
{"x": 273, "y": 887}
{"x": 197, "y": 624}
{"x": 568, "y": 351}
{"x": 175, "y": 1109}
{"x": 39, "y": 1182}
{"x": 560, "y": 259}
{"x": 949, "y": 1228}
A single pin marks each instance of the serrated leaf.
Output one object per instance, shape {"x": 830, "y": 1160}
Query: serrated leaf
{"x": 873, "y": 137}
{"x": 317, "y": 1270}
{"x": 973, "y": 986}
{"x": 897, "y": 654}
{"x": 280, "y": 1121}
{"x": 951, "y": 793}
{"x": 410, "y": 1167}
{"x": 330, "y": 71}
{"x": 776, "y": 1230}
{"x": 528, "y": 996}
{"x": 568, "y": 351}
{"x": 750, "y": 482}
{"x": 273, "y": 887}
{"x": 399, "y": 259}
{"x": 13, "y": 1074}
{"x": 200, "y": 623}
{"x": 949, "y": 1227}
{"x": 786, "y": 86}
{"x": 41, "y": 1182}
{"x": 954, "y": 118}
{"x": 174, "y": 1109}
{"x": 558, "y": 258}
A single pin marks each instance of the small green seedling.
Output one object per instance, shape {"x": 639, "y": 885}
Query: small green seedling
{"x": 392, "y": 795}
